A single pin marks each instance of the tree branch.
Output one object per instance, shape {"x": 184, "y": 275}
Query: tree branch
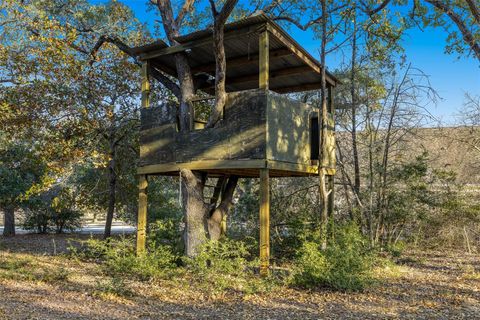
{"x": 213, "y": 8}
{"x": 376, "y": 10}
{"x": 474, "y": 10}
{"x": 309, "y": 23}
{"x": 164, "y": 80}
{"x": 220, "y": 60}
{"x": 186, "y": 7}
{"x": 226, "y": 11}
{"x": 227, "y": 193}
{"x": 467, "y": 35}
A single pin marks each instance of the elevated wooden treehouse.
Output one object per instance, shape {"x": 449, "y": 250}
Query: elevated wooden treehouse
{"x": 262, "y": 133}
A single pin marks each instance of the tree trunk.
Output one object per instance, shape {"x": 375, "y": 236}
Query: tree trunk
{"x": 323, "y": 125}
{"x": 195, "y": 211}
{"x": 220, "y": 75}
{"x": 356, "y": 162}
{"x": 219, "y": 215}
{"x": 112, "y": 186}
{"x": 186, "y": 112}
{"x": 9, "y": 221}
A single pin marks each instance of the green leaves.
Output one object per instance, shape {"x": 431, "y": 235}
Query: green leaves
{"x": 21, "y": 171}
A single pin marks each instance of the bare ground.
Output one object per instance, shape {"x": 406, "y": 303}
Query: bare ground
{"x": 38, "y": 283}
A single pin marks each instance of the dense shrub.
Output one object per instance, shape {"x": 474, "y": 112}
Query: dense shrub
{"x": 219, "y": 267}
{"x": 346, "y": 264}
{"x": 66, "y": 220}
{"x": 52, "y": 210}
{"x": 46, "y": 219}
{"x": 220, "y": 257}
{"x": 168, "y": 232}
{"x": 37, "y": 220}
{"x": 225, "y": 265}
{"x": 117, "y": 257}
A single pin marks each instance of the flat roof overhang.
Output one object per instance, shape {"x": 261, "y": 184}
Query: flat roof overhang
{"x": 291, "y": 67}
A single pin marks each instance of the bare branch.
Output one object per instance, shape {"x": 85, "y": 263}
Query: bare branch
{"x": 169, "y": 84}
{"x": 169, "y": 24}
{"x": 226, "y": 11}
{"x": 309, "y": 23}
{"x": 186, "y": 7}
{"x": 213, "y": 8}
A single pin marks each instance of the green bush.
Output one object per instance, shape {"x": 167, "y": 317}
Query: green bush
{"x": 225, "y": 265}
{"x": 37, "y": 220}
{"x": 118, "y": 258}
{"x": 44, "y": 220}
{"x": 66, "y": 220}
{"x": 345, "y": 265}
{"x": 396, "y": 249}
{"x": 52, "y": 210}
{"x": 226, "y": 257}
{"x": 113, "y": 286}
{"x": 168, "y": 232}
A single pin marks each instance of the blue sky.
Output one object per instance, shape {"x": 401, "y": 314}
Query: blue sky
{"x": 450, "y": 75}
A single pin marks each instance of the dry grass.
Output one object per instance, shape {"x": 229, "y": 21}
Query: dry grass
{"x": 38, "y": 282}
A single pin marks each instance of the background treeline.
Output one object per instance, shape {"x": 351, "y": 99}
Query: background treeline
{"x": 69, "y": 117}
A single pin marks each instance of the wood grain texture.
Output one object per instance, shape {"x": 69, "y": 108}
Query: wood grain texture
{"x": 142, "y": 214}
{"x": 263, "y": 60}
{"x": 257, "y": 125}
{"x": 240, "y": 135}
{"x": 145, "y": 84}
{"x": 288, "y": 137}
{"x": 264, "y": 206}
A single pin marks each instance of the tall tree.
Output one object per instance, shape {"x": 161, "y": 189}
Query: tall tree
{"x": 464, "y": 15}
{"x": 21, "y": 172}
{"x": 200, "y": 221}
{"x": 327, "y": 21}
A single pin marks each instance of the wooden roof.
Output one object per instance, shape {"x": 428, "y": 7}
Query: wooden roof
{"x": 292, "y": 68}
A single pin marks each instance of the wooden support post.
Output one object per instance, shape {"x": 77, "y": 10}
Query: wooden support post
{"x": 142, "y": 214}
{"x": 264, "y": 221}
{"x": 263, "y": 60}
{"x": 145, "y": 84}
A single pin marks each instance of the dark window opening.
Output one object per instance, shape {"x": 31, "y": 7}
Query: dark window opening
{"x": 314, "y": 139}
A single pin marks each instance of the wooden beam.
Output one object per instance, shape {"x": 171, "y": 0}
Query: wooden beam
{"x": 163, "y": 68}
{"x": 206, "y": 41}
{"x": 239, "y": 165}
{"x": 142, "y": 214}
{"x": 295, "y": 48}
{"x": 273, "y": 75}
{"x": 202, "y": 165}
{"x": 145, "y": 84}
{"x": 292, "y": 167}
{"x": 243, "y": 60}
{"x": 263, "y": 60}
{"x": 298, "y": 88}
{"x": 264, "y": 222}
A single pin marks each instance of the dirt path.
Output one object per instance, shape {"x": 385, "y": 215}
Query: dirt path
{"x": 36, "y": 285}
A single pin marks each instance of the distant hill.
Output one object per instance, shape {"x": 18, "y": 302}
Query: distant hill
{"x": 449, "y": 148}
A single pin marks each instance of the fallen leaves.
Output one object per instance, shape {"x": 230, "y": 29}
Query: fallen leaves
{"x": 431, "y": 285}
